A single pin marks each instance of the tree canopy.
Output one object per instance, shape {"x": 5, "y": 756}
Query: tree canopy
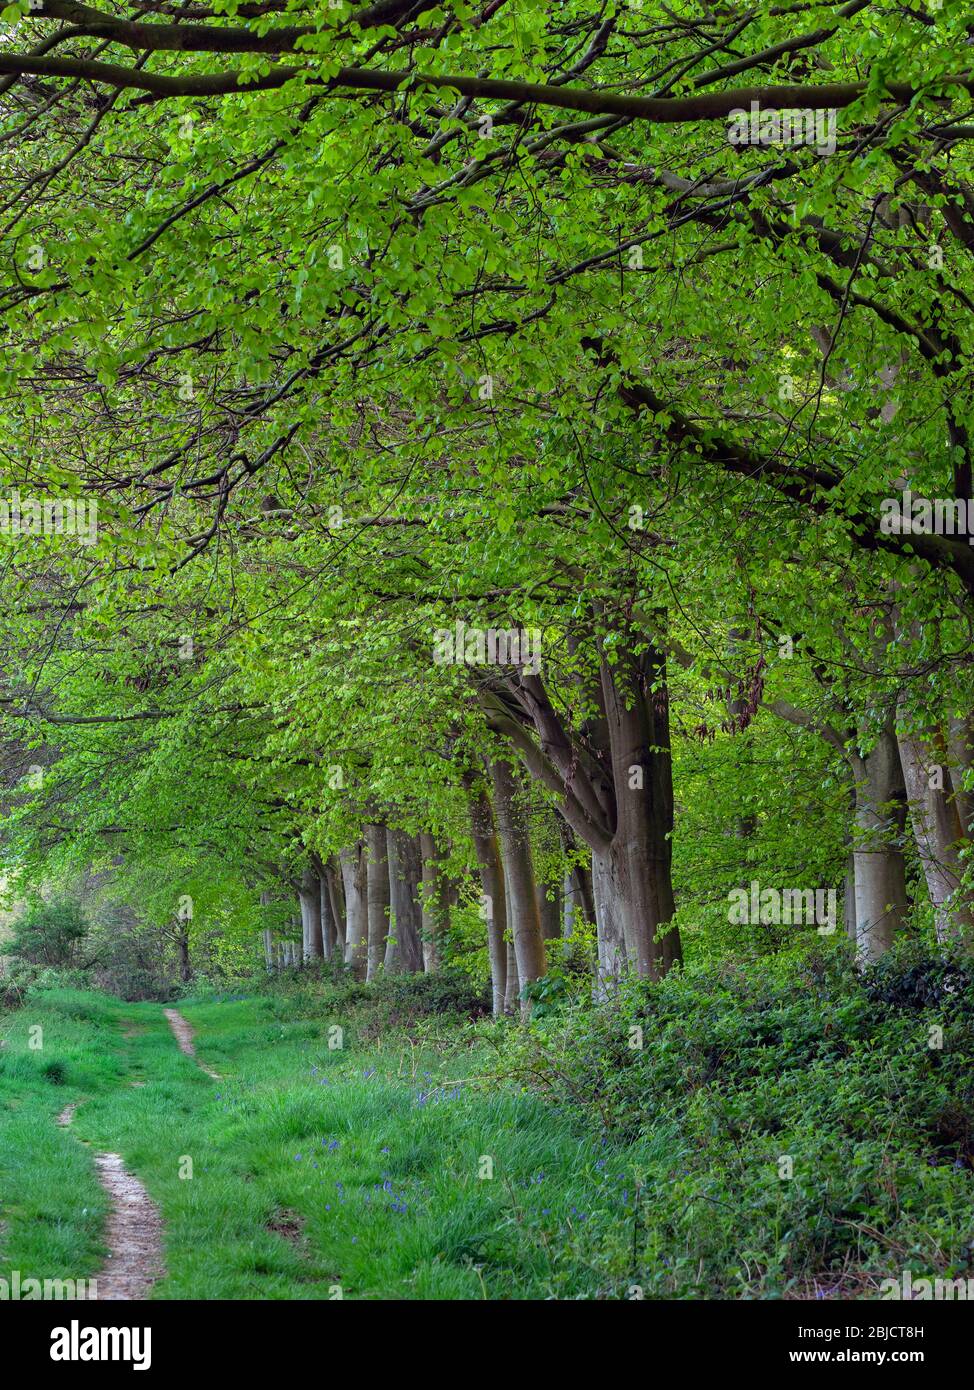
{"x": 346, "y": 338}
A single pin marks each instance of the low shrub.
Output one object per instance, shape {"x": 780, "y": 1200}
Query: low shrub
{"x": 809, "y": 1108}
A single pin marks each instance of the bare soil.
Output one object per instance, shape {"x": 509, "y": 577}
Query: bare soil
{"x": 184, "y": 1036}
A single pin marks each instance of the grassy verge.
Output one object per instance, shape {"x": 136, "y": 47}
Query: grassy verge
{"x": 373, "y": 1167}
{"x": 790, "y": 1131}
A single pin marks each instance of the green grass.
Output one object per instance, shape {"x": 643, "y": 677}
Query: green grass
{"x": 312, "y": 1167}
{"x": 52, "y": 1208}
{"x": 365, "y": 1167}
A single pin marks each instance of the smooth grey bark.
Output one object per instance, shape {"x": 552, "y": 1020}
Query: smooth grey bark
{"x": 521, "y": 888}
{"x": 309, "y": 896}
{"x": 405, "y": 947}
{"x": 512, "y": 986}
{"x": 577, "y": 889}
{"x": 608, "y": 888}
{"x": 937, "y": 829}
{"x": 960, "y": 749}
{"x": 616, "y": 793}
{"x": 296, "y": 949}
{"x": 392, "y": 960}
{"x": 876, "y": 903}
{"x": 494, "y": 896}
{"x": 378, "y": 898}
{"x": 336, "y": 898}
{"x": 270, "y": 956}
{"x": 880, "y": 870}
{"x": 435, "y": 905}
{"x": 303, "y": 916}
{"x": 632, "y": 877}
{"x": 356, "y": 919}
{"x": 329, "y": 931}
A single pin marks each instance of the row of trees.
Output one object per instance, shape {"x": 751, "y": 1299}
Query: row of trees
{"x": 489, "y": 497}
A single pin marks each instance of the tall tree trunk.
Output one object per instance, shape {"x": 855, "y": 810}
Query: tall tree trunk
{"x": 378, "y": 898}
{"x": 356, "y": 923}
{"x": 270, "y": 957}
{"x": 960, "y": 747}
{"x": 608, "y": 890}
{"x": 303, "y": 910}
{"x": 297, "y": 952}
{"x": 329, "y": 931}
{"x": 880, "y": 819}
{"x": 494, "y": 901}
{"x": 405, "y": 878}
{"x": 522, "y": 898}
{"x": 938, "y": 832}
{"x": 435, "y": 914}
{"x": 392, "y": 960}
{"x": 336, "y": 897}
{"x": 512, "y": 985}
{"x": 616, "y": 793}
{"x": 632, "y": 879}
{"x": 577, "y": 892}
{"x": 309, "y": 895}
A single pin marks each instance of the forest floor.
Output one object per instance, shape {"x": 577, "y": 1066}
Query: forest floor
{"x": 795, "y": 1132}
{"x": 305, "y": 1171}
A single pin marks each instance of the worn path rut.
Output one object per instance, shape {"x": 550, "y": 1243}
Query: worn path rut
{"x": 134, "y": 1231}
{"x": 183, "y": 1034}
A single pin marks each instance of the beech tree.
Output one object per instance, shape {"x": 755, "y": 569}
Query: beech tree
{"x": 363, "y": 324}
